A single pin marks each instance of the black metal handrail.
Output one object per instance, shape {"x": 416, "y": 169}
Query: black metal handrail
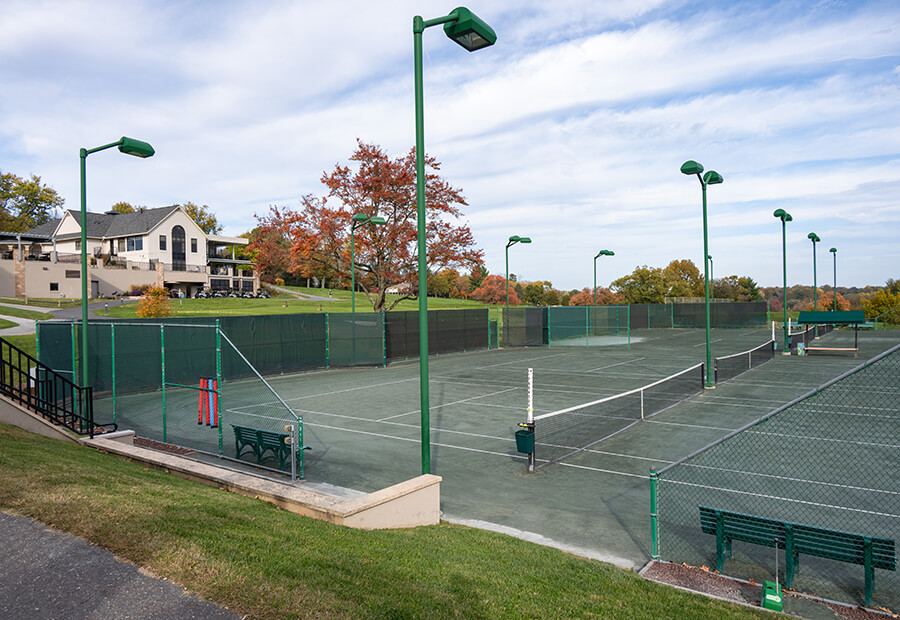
{"x": 44, "y": 391}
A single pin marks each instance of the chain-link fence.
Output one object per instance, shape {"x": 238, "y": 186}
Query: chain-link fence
{"x": 814, "y": 481}
{"x": 186, "y": 385}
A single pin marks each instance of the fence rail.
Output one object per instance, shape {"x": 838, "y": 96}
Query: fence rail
{"x": 44, "y": 391}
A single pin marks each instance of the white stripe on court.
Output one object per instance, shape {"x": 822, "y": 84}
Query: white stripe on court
{"x": 490, "y": 452}
{"x": 614, "y": 365}
{"x": 714, "y": 428}
{"x": 784, "y": 499}
{"x": 819, "y": 482}
{"x": 353, "y": 389}
{"x": 710, "y": 342}
{"x": 401, "y": 424}
{"x": 602, "y": 471}
{"x": 417, "y": 440}
{"x": 810, "y": 437}
{"x": 465, "y": 400}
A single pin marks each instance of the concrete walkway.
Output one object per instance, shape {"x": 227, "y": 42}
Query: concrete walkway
{"x": 48, "y": 574}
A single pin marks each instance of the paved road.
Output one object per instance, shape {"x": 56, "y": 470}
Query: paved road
{"x": 45, "y": 574}
{"x": 26, "y": 326}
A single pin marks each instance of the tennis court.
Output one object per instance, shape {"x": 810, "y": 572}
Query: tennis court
{"x": 363, "y": 427}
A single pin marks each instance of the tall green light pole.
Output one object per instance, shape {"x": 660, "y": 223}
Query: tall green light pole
{"x": 815, "y": 239}
{"x": 785, "y": 217}
{"x": 599, "y": 254}
{"x": 710, "y": 178}
{"x": 129, "y": 146}
{"x": 712, "y": 277}
{"x": 512, "y": 241}
{"x": 469, "y": 31}
{"x": 358, "y": 221}
{"x": 834, "y": 253}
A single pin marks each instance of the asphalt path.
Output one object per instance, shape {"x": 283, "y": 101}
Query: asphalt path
{"x": 45, "y": 574}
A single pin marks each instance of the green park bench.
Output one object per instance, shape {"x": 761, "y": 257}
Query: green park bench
{"x": 797, "y": 539}
{"x": 261, "y": 443}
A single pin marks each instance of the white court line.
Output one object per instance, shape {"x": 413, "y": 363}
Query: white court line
{"x": 626, "y": 456}
{"x": 613, "y": 365}
{"x": 465, "y": 400}
{"x": 703, "y": 344}
{"x": 603, "y": 471}
{"x": 714, "y": 428}
{"x": 401, "y": 424}
{"x": 803, "y": 480}
{"x": 490, "y": 452}
{"x": 784, "y": 499}
{"x": 527, "y": 359}
{"x": 353, "y": 389}
{"x": 828, "y": 439}
{"x": 417, "y": 440}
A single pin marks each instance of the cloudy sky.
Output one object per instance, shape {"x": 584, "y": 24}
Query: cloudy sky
{"x": 570, "y": 130}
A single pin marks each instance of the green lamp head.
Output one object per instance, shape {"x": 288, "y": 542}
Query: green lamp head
{"x": 833, "y": 250}
{"x": 138, "y": 148}
{"x": 360, "y": 217}
{"x": 469, "y": 30}
{"x": 691, "y": 167}
{"x": 813, "y": 237}
{"x": 783, "y": 215}
{"x": 712, "y": 178}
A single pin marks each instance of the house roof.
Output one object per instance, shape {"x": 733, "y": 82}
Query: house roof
{"x": 139, "y": 222}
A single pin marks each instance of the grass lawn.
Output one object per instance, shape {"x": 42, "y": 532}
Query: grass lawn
{"x": 339, "y": 301}
{"x": 42, "y": 303}
{"x": 22, "y": 313}
{"x": 26, "y": 343}
{"x": 267, "y": 563}
{"x": 4, "y": 324}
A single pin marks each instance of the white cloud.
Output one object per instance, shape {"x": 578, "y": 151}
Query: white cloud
{"x": 571, "y": 129}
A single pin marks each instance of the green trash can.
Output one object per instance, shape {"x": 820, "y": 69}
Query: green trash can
{"x": 525, "y": 441}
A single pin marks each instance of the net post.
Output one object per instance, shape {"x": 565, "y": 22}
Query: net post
{"x": 654, "y": 515}
{"x": 162, "y": 364}
{"x": 529, "y": 416}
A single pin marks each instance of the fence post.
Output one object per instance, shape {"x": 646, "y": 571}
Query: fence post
{"x": 219, "y": 382}
{"x": 654, "y": 515}
{"x": 162, "y": 369}
{"x": 327, "y": 343}
{"x": 112, "y": 350}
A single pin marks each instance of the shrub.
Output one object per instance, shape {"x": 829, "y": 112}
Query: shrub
{"x": 155, "y": 303}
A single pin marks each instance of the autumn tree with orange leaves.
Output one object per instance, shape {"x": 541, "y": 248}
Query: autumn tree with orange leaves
{"x": 377, "y": 186}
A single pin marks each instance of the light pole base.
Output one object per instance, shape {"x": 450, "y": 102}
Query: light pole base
{"x": 709, "y": 387}
{"x": 786, "y": 353}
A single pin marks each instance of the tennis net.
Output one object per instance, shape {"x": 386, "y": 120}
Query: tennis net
{"x": 730, "y": 366}
{"x": 561, "y": 434}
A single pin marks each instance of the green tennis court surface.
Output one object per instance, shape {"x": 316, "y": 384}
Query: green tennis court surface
{"x": 363, "y": 427}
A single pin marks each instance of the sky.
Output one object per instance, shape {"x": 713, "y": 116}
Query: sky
{"x": 570, "y": 130}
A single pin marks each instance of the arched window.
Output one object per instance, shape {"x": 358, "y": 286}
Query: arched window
{"x": 178, "y": 249}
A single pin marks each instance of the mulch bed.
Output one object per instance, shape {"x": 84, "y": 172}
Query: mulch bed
{"x": 701, "y": 579}
{"x": 162, "y": 447}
